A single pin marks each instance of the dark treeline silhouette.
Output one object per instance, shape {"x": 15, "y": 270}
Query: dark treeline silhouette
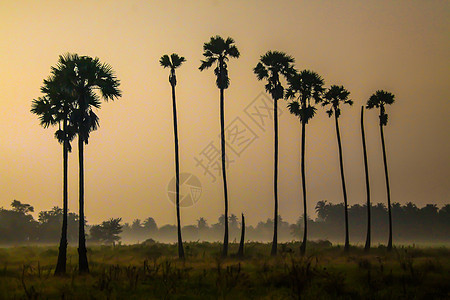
{"x": 428, "y": 224}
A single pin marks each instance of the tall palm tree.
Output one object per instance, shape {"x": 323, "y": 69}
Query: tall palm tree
{"x": 334, "y": 97}
{"x": 379, "y": 100}
{"x": 271, "y": 66}
{"x": 53, "y": 109}
{"x": 88, "y": 81}
{"x": 217, "y": 51}
{"x": 174, "y": 61}
{"x": 304, "y": 87}
{"x": 366, "y": 170}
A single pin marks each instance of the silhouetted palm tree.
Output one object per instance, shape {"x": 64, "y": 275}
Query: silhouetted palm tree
{"x": 366, "y": 170}
{"x": 334, "y": 97}
{"x": 87, "y": 80}
{"x": 174, "y": 61}
{"x": 271, "y": 66}
{"x": 304, "y": 87}
{"x": 379, "y": 100}
{"x": 217, "y": 51}
{"x": 53, "y": 109}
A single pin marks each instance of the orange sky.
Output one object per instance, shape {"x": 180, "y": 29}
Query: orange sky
{"x": 400, "y": 46}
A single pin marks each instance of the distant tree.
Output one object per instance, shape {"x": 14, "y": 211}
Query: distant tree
{"x": 49, "y": 221}
{"x": 202, "y": 224}
{"x": 150, "y": 225}
{"x": 136, "y": 225}
{"x": 22, "y": 208}
{"x": 107, "y": 232}
{"x": 323, "y": 209}
{"x": 17, "y": 225}
{"x": 270, "y": 67}
{"x": 174, "y": 61}
{"x": 217, "y": 51}
{"x": 233, "y": 220}
{"x": 112, "y": 228}
{"x": 303, "y": 89}
{"x": 166, "y": 232}
{"x": 334, "y": 97}
{"x": 379, "y": 100}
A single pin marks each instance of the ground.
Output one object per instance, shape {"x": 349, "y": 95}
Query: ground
{"x": 153, "y": 271}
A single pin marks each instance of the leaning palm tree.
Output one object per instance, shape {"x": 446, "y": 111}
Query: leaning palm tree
{"x": 271, "y": 66}
{"x": 87, "y": 80}
{"x": 217, "y": 51}
{"x": 334, "y": 97}
{"x": 304, "y": 87}
{"x": 53, "y": 109}
{"x": 366, "y": 170}
{"x": 174, "y": 61}
{"x": 379, "y": 100}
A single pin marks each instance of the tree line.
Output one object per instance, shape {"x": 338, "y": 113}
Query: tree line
{"x": 77, "y": 84}
{"x": 428, "y": 224}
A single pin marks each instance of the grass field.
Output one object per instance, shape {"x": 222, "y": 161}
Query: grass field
{"x": 152, "y": 271}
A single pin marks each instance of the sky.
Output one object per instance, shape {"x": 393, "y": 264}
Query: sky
{"x": 399, "y": 46}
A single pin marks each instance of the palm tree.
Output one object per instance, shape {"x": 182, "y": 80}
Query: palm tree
{"x": 271, "y": 65}
{"x": 217, "y": 51}
{"x": 304, "y": 87}
{"x": 379, "y": 100}
{"x": 87, "y": 80}
{"x": 366, "y": 169}
{"x": 53, "y": 109}
{"x": 334, "y": 97}
{"x": 173, "y": 62}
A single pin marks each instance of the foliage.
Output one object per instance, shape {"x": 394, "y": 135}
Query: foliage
{"x": 333, "y": 97}
{"x": 271, "y": 65}
{"x": 304, "y": 87}
{"x": 107, "y": 232}
{"x": 217, "y": 51}
{"x": 379, "y": 100}
{"x": 428, "y": 224}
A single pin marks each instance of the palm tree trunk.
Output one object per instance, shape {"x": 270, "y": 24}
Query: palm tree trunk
{"x": 389, "y": 246}
{"x": 305, "y": 232}
{"x": 224, "y": 172}
{"x": 82, "y": 251}
{"x": 241, "y": 244}
{"x": 62, "y": 254}
{"x": 366, "y": 169}
{"x": 275, "y": 179}
{"x": 177, "y": 175}
{"x": 344, "y": 190}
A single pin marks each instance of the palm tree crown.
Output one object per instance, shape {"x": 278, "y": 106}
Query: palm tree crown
{"x": 305, "y": 87}
{"x": 173, "y": 61}
{"x": 271, "y": 65}
{"x": 83, "y": 77}
{"x": 217, "y": 51}
{"x": 379, "y": 100}
{"x": 334, "y": 97}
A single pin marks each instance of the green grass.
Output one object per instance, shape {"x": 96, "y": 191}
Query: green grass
{"x": 152, "y": 271}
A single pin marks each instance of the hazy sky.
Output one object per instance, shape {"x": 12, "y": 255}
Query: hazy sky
{"x": 399, "y": 46}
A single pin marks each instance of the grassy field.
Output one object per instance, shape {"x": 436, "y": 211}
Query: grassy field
{"x": 152, "y": 271}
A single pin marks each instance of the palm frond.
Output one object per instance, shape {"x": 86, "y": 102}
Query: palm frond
{"x": 206, "y": 64}
{"x": 164, "y": 61}
{"x": 177, "y": 60}
{"x": 260, "y": 71}
{"x": 294, "y": 108}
